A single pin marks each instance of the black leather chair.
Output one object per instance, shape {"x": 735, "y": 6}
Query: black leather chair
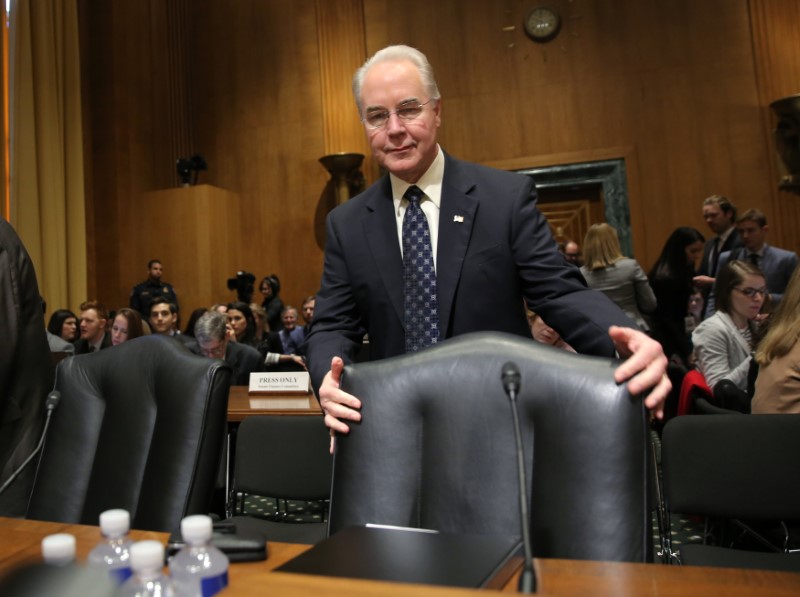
{"x": 435, "y": 448}
{"x": 285, "y": 458}
{"x": 140, "y": 426}
{"x": 742, "y": 468}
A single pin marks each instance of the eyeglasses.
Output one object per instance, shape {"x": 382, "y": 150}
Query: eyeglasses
{"x": 408, "y": 111}
{"x": 751, "y": 292}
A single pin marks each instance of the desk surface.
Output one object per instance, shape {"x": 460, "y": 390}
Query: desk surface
{"x": 241, "y": 405}
{"x": 20, "y": 544}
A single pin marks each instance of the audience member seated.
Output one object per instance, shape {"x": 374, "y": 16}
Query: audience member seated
{"x": 292, "y": 336}
{"x": 56, "y": 342}
{"x": 273, "y": 305}
{"x": 241, "y": 319}
{"x": 618, "y": 277}
{"x": 543, "y": 333}
{"x": 127, "y": 326}
{"x": 164, "y": 319}
{"x": 189, "y": 330}
{"x": 778, "y": 355}
{"x": 64, "y": 324}
{"x": 725, "y": 341}
{"x": 260, "y": 316}
{"x": 572, "y": 253}
{"x": 671, "y": 281}
{"x": 211, "y": 335}
{"x": 219, "y": 307}
{"x": 94, "y": 319}
{"x": 307, "y": 310}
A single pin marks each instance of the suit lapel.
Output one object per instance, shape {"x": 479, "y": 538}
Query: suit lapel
{"x": 380, "y": 230}
{"x": 456, "y": 219}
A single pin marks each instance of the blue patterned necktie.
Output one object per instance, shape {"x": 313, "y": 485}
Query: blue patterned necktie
{"x": 419, "y": 277}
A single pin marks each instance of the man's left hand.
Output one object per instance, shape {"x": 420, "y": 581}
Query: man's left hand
{"x": 645, "y": 367}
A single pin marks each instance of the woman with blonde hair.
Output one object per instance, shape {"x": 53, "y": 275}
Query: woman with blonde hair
{"x": 778, "y": 355}
{"x": 618, "y": 277}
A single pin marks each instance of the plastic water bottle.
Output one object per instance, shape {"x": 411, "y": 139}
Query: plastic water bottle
{"x": 199, "y": 569}
{"x": 59, "y": 550}
{"x": 147, "y": 560}
{"x": 113, "y": 552}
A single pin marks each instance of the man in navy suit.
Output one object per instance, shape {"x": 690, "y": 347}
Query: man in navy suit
{"x": 776, "y": 264}
{"x": 491, "y": 247}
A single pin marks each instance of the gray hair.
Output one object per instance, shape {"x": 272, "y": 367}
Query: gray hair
{"x": 397, "y": 54}
{"x": 211, "y": 326}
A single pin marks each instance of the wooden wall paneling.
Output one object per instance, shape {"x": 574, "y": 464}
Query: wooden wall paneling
{"x": 681, "y": 86}
{"x": 776, "y": 47}
{"x": 257, "y": 116}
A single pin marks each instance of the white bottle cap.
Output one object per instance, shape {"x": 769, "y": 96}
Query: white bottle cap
{"x": 196, "y": 529}
{"x": 147, "y": 555}
{"x": 58, "y": 549}
{"x": 115, "y": 523}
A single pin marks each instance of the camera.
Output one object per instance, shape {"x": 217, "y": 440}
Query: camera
{"x": 243, "y": 284}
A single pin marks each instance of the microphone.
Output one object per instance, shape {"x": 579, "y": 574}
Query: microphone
{"x": 53, "y": 398}
{"x": 511, "y": 379}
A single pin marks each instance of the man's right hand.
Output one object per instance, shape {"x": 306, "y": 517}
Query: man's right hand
{"x": 703, "y": 281}
{"x": 336, "y": 404}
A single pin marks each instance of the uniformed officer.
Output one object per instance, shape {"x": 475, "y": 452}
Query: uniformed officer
{"x": 144, "y": 292}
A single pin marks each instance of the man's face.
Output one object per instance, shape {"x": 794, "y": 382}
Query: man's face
{"x": 161, "y": 318}
{"x": 213, "y": 348}
{"x": 155, "y": 271}
{"x": 290, "y": 319}
{"x": 753, "y": 236}
{"x": 716, "y": 219}
{"x": 404, "y": 148}
{"x": 572, "y": 253}
{"x": 92, "y": 326}
{"x": 308, "y": 311}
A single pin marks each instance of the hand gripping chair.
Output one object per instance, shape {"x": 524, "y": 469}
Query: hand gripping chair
{"x": 435, "y": 448}
{"x": 140, "y": 426}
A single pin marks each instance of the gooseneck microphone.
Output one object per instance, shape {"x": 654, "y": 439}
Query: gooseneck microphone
{"x": 511, "y": 383}
{"x": 50, "y": 405}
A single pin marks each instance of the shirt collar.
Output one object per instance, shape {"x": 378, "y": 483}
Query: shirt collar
{"x": 429, "y": 183}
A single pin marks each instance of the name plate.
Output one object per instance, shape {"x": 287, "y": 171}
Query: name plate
{"x": 290, "y": 382}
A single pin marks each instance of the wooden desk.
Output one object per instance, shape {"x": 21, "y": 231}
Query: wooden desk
{"x": 241, "y": 405}
{"x": 20, "y": 544}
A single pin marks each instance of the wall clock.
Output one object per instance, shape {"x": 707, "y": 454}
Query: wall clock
{"x": 542, "y": 24}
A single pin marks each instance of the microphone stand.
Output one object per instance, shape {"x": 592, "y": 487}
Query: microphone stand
{"x": 511, "y": 383}
{"x": 52, "y": 402}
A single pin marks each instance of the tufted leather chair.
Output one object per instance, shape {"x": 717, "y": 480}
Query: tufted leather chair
{"x": 435, "y": 448}
{"x": 140, "y": 426}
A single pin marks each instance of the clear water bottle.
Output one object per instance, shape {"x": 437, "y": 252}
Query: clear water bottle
{"x": 147, "y": 560}
{"x": 199, "y": 569}
{"x": 59, "y": 550}
{"x": 113, "y": 552}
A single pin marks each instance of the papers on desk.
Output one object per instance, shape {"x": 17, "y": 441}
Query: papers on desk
{"x": 401, "y": 555}
{"x": 281, "y": 403}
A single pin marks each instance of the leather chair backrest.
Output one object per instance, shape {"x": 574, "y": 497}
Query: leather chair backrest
{"x": 733, "y": 466}
{"x": 436, "y": 449}
{"x": 140, "y": 426}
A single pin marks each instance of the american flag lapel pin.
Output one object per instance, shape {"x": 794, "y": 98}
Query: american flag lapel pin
{"x": 459, "y": 219}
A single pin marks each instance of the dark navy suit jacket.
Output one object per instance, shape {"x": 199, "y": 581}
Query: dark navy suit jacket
{"x": 494, "y": 248}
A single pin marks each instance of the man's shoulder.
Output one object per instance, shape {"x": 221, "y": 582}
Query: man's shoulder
{"x": 781, "y": 254}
